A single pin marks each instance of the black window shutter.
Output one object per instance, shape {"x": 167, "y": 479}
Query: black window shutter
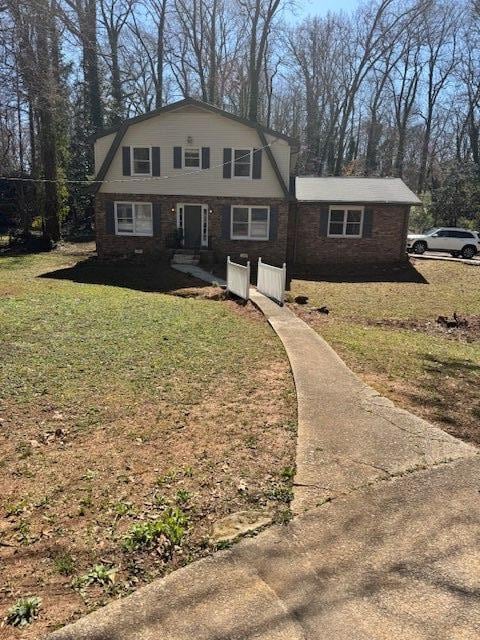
{"x": 257, "y": 164}
{"x": 155, "y": 161}
{"x": 110, "y": 217}
{"x": 273, "y": 223}
{"x": 226, "y": 221}
{"x": 227, "y": 163}
{"x": 323, "y": 223}
{"x": 156, "y": 218}
{"x": 177, "y": 157}
{"x": 127, "y": 170}
{"x": 205, "y": 157}
{"x": 368, "y": 223}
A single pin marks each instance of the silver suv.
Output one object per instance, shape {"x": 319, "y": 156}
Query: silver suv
{"x": 458, "y": 242}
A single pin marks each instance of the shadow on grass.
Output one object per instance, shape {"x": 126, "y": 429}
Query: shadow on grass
{"x": 396, "y": 272}
{"x": 151, "y": 277}
{"x": 450, "y": 366}
{"x": 451, "y": 393}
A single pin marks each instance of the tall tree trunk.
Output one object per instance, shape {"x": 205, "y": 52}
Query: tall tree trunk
{"x": 212, "y": 75}
{"x": 160, "y": 53}
{"x": 47, "y": 96}
{"x": 117, "y": 93}
{"x": 422, "y": 173}
{"x": 90, "y": 59}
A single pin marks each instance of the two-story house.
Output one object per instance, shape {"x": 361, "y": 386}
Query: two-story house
{"x": 195, "y": 177}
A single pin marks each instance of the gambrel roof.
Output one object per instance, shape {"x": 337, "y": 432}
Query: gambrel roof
{"x": 120, "y": 130}
{"x": 192, "y": 102}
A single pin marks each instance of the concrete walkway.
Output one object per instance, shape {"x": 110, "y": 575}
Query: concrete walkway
{"x": 384, "y": 546}
{"x": 199, "y": 273}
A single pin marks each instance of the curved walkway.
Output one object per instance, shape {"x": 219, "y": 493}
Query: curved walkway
{"x": 385, "y": 543}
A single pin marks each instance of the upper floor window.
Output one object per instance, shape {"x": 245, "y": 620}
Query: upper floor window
{"x": 192, "y": 158}
{"x": 242, "y": 163}
{"x": 250, "y": 223}
{"x": 345, "y": 222}
{"x": 141, "y": 161}
{"x": 133, "y": 219}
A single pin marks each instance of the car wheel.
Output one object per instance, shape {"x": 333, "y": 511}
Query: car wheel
{"x": 468, "y": 252}
{"x": 419, "y": 247}
{"x": 455, "y": 254}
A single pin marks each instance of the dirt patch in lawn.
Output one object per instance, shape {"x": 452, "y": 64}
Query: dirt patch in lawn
{"x": 130, "y": 423}
{"x": 465, "y": 328}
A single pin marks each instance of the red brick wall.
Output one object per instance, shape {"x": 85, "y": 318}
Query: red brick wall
{"x": 308, "y": 248}
{"x": 111, "y": 245}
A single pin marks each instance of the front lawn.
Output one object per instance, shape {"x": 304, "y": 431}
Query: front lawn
{"x": 387, "y": 332}
{"x": 130, "y": 422}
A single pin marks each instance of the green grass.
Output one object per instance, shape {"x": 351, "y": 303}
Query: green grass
{"x": 449, "y": 287}
{"x": 419, "y": 367}
{"x": 122, "y": 406}
{"x": 82, "y": 343}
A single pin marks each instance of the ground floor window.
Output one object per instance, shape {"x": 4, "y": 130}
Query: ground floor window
{"x": 345, "y": 222}
{"x": 250, "y": 223}
{"x": 133, "y": 219}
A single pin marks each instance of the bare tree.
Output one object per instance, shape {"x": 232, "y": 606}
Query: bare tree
{"x": 442, "y": 20}
{"x": 259, "y": 17}
{"x": 114, "y": 15}
{"x": 34, "y": 26}
{"x": 404, "y": 86}
{"x": 80, "y": 18}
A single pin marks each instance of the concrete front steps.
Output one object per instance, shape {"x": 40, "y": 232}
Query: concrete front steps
{"x": 185, "y": 256}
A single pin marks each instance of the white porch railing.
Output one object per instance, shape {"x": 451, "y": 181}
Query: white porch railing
{"x": 271, "y": 281}
{"x": 238, "y": 279}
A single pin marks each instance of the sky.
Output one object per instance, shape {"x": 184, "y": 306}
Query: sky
{"x": 320, "y": 7}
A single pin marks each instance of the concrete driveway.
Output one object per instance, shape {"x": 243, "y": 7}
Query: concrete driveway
{"x": 443, "y": 255}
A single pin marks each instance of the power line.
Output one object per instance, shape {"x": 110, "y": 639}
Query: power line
{"x": 134, "y": 179}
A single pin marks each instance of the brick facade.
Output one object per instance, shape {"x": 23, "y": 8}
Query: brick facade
{"x": 308, "y": 248}
{"x": 110, "y": 245}
{"x": 301, "y": 227}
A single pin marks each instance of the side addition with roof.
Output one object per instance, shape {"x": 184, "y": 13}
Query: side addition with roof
{"x": 349, "y": 220}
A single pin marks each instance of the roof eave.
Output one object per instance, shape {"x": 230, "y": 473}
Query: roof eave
{"x": 191, "y": 101}
{"x": 352, "y": 201}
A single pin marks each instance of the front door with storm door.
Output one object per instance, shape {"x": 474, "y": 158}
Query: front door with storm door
{"x": 192, "y": 226}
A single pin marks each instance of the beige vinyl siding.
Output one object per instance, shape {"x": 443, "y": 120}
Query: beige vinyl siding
{"x": 207, "y": 129}
{"x": 102, "y": 145}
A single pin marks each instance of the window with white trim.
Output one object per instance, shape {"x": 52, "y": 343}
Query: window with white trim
{"x": 192, "y": 158}
{"x": 345, "y": 222}
{"x": 250, "y": 223}
{"x": 242, "y": 163}
{"x": 133, "y": 219}
{"x": 141, "y": 161}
